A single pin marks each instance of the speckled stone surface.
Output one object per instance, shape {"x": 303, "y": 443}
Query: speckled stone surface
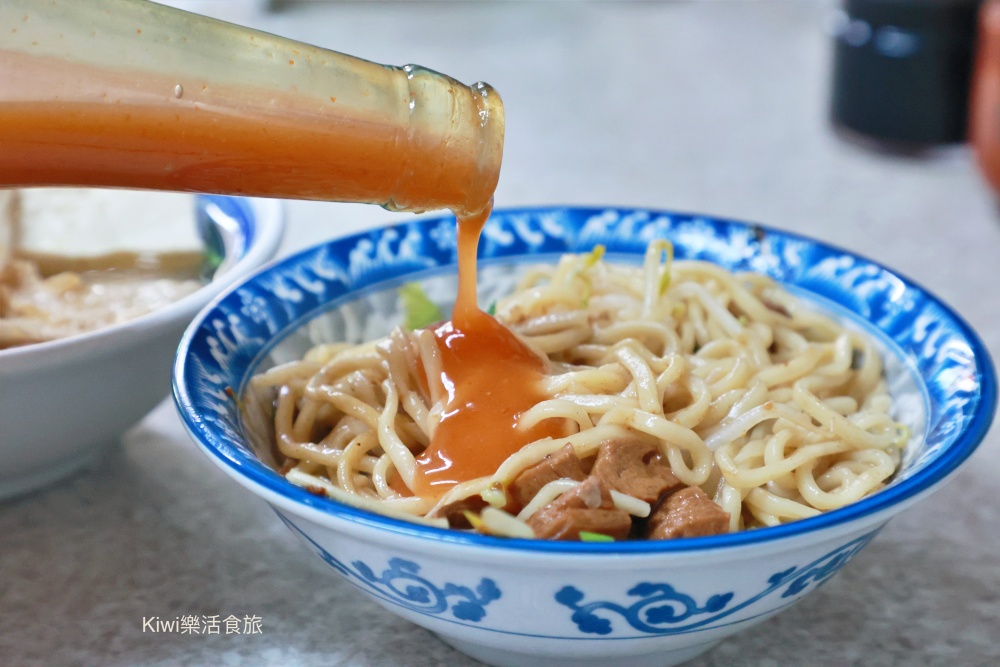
{"x": 717, "y": 107}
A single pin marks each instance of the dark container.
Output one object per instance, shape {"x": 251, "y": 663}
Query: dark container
{"x": 902, "y": 69}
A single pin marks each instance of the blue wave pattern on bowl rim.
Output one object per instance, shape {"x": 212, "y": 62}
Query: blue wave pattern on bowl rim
{"x": 226, "y": 342}
{"x": 235, "y": 209}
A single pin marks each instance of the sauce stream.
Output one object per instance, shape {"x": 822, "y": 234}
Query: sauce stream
{"x": 491, "y": 379}
{"x": 276, "y": 118}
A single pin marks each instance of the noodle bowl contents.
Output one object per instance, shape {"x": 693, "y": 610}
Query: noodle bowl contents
{"x": 665, "y": 400}
{"x": 46, "y": 296}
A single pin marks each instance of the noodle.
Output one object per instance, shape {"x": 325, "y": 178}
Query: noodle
{"x": 777, "y": 412}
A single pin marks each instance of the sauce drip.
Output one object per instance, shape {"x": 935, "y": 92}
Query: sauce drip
{"x": 491, "y": 378}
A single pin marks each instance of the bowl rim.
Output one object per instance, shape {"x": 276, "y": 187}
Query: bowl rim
{"x": 262, "y": 237}
{"x": 891, "y": 499}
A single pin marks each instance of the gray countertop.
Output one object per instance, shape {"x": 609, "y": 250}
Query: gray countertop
{"x": 713, "y": 107}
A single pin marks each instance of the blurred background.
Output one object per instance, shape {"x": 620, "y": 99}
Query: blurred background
{"x": 717, "y": 107}
{"x": 723, "y": 108}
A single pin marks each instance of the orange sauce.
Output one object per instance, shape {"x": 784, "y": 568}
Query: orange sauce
{"x": 197, "y": 142}
{"x": 491, "y": 379}
{"x": 194, "y": 149}
{"x": 223, "y": 139}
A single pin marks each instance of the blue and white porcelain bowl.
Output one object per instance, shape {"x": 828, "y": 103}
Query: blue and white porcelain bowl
{"x": 519, "y": 602}
{"x": 64, "y": 401}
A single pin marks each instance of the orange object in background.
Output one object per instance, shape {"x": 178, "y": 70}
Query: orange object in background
{"x": 984, "y": 124}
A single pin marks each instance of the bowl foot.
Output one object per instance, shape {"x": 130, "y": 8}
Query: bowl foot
{"x": 501, "y": 657}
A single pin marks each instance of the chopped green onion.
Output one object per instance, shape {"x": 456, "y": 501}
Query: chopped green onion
{"x": 474, "y": 520}
{"x": 667, "y": 248}
{"x": 595, "y": 256}
{"x": 492, "y": 310}
{"x": 418, "y": 310}
{"x": 587, "y": 536}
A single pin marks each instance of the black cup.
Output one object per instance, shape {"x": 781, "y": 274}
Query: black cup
{"x": 902, "y": 69}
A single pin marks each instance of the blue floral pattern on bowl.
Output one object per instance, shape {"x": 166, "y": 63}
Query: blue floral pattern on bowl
{"x": 401, "y": 584}
{"x": 661, "y": 609}
{"x": 932, "y": 346}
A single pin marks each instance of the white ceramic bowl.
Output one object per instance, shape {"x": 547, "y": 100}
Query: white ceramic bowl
{"x": 531, "y": 602}
{"x": 62, "y": 401}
